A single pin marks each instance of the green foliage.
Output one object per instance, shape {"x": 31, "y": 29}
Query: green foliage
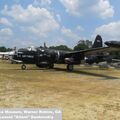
{"x": 80, "y": 46}
{"x": 9, "y": 49}
{"x": 4, "y": 49}
{"x": 61, "y": 47}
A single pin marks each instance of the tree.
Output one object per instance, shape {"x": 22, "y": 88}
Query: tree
{"x": 61, "y": 47}
{"x": 9, "y": 49}
{"x": 2, "y": 49}
{"x": 80, "y": 46}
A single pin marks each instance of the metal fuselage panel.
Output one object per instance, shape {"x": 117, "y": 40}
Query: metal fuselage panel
{"x": 26, "y": 57}
{"x": 52, "y": 56}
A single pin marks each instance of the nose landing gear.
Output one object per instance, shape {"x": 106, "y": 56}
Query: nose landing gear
{"x": 23, "y": 67}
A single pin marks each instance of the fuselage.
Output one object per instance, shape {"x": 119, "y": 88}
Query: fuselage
{"x": 42, "y": 55}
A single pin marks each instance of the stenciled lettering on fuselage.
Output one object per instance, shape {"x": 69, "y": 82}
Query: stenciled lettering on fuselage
{"x": 26, "y": 56}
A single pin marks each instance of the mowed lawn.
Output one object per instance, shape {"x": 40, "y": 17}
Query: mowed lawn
{"x": 87, "y": 93}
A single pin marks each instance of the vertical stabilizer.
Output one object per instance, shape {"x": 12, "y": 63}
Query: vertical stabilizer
{"x": 98, "y": 42}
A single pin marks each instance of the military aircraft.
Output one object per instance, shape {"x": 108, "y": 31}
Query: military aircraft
{"x": 113, "y": 43}
{"x": 45, "y": 57}
{"x": 101, "y": 57}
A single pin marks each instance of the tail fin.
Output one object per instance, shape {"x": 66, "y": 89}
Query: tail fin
{"x": 98, "y": 42}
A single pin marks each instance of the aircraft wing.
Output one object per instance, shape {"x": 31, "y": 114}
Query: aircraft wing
{"x": 116, "y": 60}
{"x": 3, "y": 53}
{"x": 93, "y": 51}
{"x": 7, "y": 53}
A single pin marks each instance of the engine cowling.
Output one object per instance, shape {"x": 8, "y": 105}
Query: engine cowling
{"x": 92, "y": 60}
{"x": 69, "y": 60}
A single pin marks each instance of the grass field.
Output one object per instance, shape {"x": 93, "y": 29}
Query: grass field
{"x": 88, "y": 93}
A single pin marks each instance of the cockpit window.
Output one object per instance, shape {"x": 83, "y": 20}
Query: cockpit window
{"x": 31, "y": 48}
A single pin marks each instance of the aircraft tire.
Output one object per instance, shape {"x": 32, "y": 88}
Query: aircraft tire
{"x": 70, "y": 67}
{"x": 23, "y": 67}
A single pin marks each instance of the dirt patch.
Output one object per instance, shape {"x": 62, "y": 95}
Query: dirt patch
{"x": 88, "y": 93}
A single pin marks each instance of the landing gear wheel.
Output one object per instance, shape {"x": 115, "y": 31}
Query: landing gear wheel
{"x": 70, "y": 67}
{"x": 23, "y": 67}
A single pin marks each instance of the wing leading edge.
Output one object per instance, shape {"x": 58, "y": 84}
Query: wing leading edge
{"x": 93, "y": 51}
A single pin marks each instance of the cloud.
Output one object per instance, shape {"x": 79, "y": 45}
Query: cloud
{"x": 6, "y": 32}
{"x": 79, "y": 28}
{"x": 6, "y": 36}
{"x": 69, "y": 34}
{"x": 42, "y": 3}
{"x": 16, "y": 12}
{"x": 58, "y": 17}
{"x": 103, "y": 8}
{"x": 35, "y": 20}
{"x": 110, "y": 31}
{"x": 72, "y": 6}
{"x": 36, "y": 25}
{"x": 4, "y": 21}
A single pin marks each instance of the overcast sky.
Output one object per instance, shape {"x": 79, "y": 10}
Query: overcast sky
{"x": 32, "y": 22}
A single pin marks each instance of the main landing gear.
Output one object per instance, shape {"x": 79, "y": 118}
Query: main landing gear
{"x": 70, "y": 67}
{"x": 23, "y": 67}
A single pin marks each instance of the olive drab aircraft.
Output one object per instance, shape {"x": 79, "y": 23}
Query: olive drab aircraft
{"x": 46, "y": 57}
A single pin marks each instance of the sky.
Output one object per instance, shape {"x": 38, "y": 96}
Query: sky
{"x": 26, "y": 23}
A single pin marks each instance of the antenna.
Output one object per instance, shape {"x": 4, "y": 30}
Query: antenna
{"x": 45, "y": 45}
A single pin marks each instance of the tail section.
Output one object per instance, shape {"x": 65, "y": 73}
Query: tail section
{"x": 98, "y": 42}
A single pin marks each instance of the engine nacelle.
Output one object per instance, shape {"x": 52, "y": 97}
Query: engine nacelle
{"x": 69, "y": 60}
{"x": 91, "y": 60}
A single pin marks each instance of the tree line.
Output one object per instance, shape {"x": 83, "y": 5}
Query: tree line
{"x": 79, "y": 46}
{"x": 4, "y": 49}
